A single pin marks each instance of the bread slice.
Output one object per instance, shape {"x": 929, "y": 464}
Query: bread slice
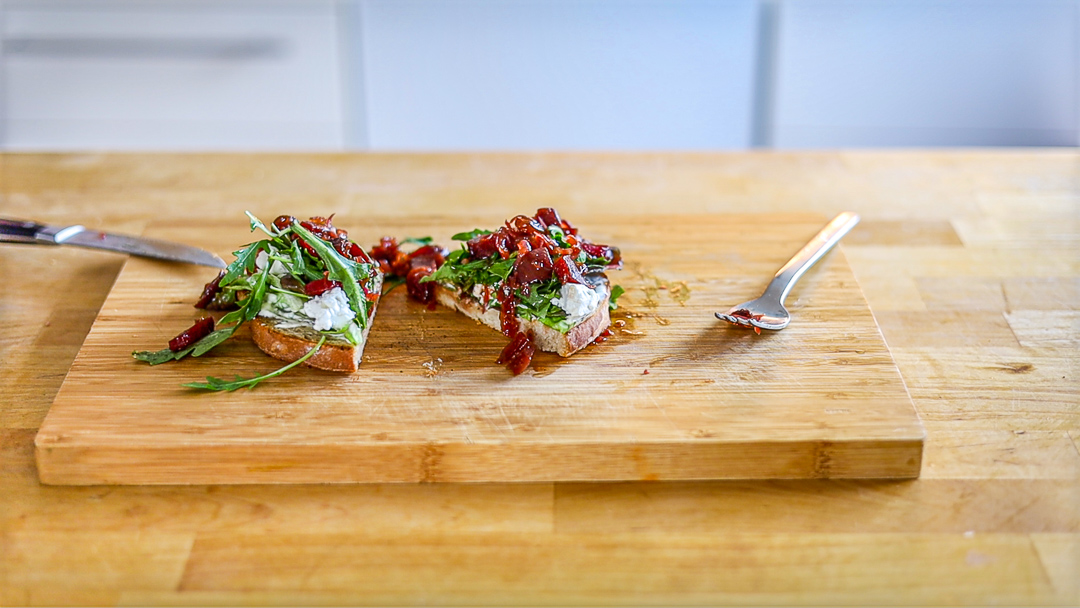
{"x": 545, "y": 338}
{"x": 290, "y": 343}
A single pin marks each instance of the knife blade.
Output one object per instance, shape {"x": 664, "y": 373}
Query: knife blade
{"x": 17, "y": 231}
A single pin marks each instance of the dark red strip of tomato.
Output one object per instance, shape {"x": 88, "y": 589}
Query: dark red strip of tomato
{"x": 518, "y": 353}
{"x": 193, "y": 334}
{"x": 210, "y": 290}
{"x": 320, "y": 286}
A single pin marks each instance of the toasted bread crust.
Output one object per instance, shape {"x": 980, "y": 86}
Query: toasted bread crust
{"x": 545, "y": 338}
{"x": 293, "y": 343}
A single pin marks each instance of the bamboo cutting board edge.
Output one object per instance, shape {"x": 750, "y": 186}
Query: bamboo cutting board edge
{"x": 463, "y": 463}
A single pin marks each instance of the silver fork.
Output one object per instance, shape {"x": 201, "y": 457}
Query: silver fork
{"x": 767, "y": 311}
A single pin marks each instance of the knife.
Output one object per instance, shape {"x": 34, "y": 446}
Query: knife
{"x": 17, "y": 231}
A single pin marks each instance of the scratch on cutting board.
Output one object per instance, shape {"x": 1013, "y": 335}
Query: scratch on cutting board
{"x": 509, "y": 425}
{"x": 661, "y": 409}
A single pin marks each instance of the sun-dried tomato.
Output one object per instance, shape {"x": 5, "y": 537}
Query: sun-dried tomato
{"x": 343, "y": 246}
{"x": 210, "y": 290}
{"x": 531, "y": 267}
{"x": 521, "y": 226}
{"x": 385, "y": 250}
{"x": 421, "y": 292}
{"x": 508, "y": 320}
{"x": 428, "y": 255}
{"x": 549, "y": 217}
{"x": 193, "y": 334}
{"x": 284, "y": 221}
{"x": 320, "y": 286}
{"x": 486, "y": 245}
{"x": 321, "y": 227}
{"x": 518, "y": 353}
{"x": 357, "y": 253}
{"x": 568, "y": 272}
{"x": 611, "y": 255}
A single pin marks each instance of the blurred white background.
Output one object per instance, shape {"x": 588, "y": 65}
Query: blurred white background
{"x": 537, "y": 74}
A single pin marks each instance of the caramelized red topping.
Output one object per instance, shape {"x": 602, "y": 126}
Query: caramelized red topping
{"x": 413, "y": 266}
{"x": 743, "y": 313}
{"x": 323, "y": 228}
{"x": 209, "y": 291}
{"x": 191, "y": 335}
{"x": 518, "y": 353}
{"x": 320, "y": 286}
{"x": 528, "y": 235}
{"x": 533, "y": 266}
{"x": 567, "y": 270}
{"x": 539, "y": 257}
{"x": 507, "y": 309}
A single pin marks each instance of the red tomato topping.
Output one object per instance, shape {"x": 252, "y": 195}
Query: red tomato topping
{"x": 320, "y": 286}
{"x": 567, "y": 271}
{"x": 193, "y": 334}
{"x": 518, "y": 353}
{"x": 284, "y": 221}
{"x": 421, "y": 292}
{"x": 531, "y": 267}
{"x": 210, "y": 290}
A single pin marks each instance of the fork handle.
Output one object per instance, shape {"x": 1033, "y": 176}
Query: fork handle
{"x": 822, "y": 242}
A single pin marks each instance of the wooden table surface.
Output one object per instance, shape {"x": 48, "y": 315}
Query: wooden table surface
{"x": 970, "y": 261}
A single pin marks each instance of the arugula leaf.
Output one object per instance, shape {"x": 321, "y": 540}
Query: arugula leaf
{"x": 298, "y": 265}
{"x": 593, "y": 265}
{"x": 502, "y": 268}
{"x": 195, "y": 350}
{"x": 244, "y": 262}
{"x": 467, "y": 236}
{"x": 157, "y": 357}
{"x": 253, "y": 303}
{"x": 423, "y": 240}
{"x": 616, "y": 291}
{"x": 211, "y": 340}
{"x": 391, "y": 284}
{"x": 257, "y": 223}
{"x": 535, "y": 303}
{"x": 557, "y": 233}
{"x": 464, "y": 276}
{"x": 353, "y": 333}
{"x": 343, "y": 270}
{"x": 217, "y": 384}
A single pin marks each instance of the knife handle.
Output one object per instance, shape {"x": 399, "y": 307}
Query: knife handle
{"x": 18, "y": 231}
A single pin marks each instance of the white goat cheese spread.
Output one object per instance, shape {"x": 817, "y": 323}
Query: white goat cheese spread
{"x": 327, "y": 311}
{"x": 478, "y": 293}
{"x": 330, "y": 310}
{"x": 579, "y": 301}
{"x": 277, "y": 268}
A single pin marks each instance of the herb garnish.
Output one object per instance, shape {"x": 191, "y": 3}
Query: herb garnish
{"x": 465, "y": 275}
{"x": 616, "y": 291}
{"x": 248, "y": 285}
{"x": 467, "y": 236}
{"x": 217, "y": 384}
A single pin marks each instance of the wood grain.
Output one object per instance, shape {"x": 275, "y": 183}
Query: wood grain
{"x": 991, "y": 520}
{"x": 819, "y": 399}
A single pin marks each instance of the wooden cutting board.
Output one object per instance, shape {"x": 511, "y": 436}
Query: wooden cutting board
{"x": 675, "y": 394}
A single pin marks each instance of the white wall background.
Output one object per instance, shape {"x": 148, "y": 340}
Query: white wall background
{"x": 927, "y": 72}
{"x": 559, "y": 74}
{"x": 537, "y": 74}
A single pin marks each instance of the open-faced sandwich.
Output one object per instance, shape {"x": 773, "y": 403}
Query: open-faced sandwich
{"x": 535, "y": 279}
{"x": 309, "y": 292}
